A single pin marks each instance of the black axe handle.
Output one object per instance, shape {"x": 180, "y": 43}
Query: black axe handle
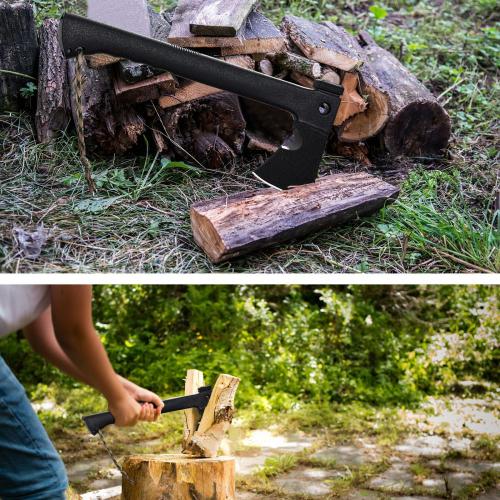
{"x": 314, "y": 109}
{"x": 96, "y": 423}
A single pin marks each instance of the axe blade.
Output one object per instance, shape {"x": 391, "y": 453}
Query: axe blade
{"x": 127, "y": 15}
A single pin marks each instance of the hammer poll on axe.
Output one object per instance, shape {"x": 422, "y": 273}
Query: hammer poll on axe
{"x": 95, "y": 423}
{"x": 122, "y": 28}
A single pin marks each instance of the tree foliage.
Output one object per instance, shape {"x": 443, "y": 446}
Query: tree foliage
{"x": 377, "y": 344}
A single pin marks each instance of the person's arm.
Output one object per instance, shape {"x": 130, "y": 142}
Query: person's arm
{"x": 41, "y": 336}
{"x": 84, "y": 357}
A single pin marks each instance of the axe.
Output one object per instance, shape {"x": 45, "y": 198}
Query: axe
{"x": 122, "y": 28}
{"x": 96, "y": 423}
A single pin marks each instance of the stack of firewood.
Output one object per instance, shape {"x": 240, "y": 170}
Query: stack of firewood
{"x": 125, "y": 100}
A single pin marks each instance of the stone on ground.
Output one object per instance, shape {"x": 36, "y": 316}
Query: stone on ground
{"x": 306, "y": 481}
{"x": 346, "y": 455}
{"x": 423, "y": 446}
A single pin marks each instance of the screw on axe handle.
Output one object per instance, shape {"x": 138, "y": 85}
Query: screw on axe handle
{"x": 314, "y": 110}
{"x": 96, "y": 423}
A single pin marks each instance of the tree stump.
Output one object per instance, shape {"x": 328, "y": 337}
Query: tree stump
{"x": 18, "y": 51}
{"x": 177, "y": 477}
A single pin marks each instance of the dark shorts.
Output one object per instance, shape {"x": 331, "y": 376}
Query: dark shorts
{"x": 30, "y": 467}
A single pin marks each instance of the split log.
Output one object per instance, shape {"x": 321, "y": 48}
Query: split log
{"x": 18, "y": 52}
{"x": 217, "y": 116}
{"x": 146, "y": 90}
{"x": 192, "y": 91}
{"x": 298, "y": 64}
{"x": 111, "y": 126}
{"x": 53, "y": 112}
{"x": 194, "y": 381}
{"x": 229, "y": 227}
{"x": 217, "y": 18}
{"x": 216, "y": 419}
{"x": 418, "y": 124}
{"x": 177, "y": 477}
{"x": 351, "y": 102}
{"x": 330, "y": 45}
{"x": 258, "y": 35}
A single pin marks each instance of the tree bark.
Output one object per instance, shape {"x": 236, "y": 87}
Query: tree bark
{"x": 418, "y": 124}
{"x": 18, "y": 52}
{"x": 217, "y": 18}
{"x": 228, "y": 227}
{"x": 53, "y": 112}
{"x": 177, "y": 477}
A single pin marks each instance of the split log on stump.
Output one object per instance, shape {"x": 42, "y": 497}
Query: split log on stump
{"x": 298, "y": 64}
{"x": 192, "y": 91}
{"x": 351, "y": 102}
{"x": 418, "y": 124}
{"x": 216, "y": 419}
{"x": 330, "y": 45}
{"x": 18, "y": 52}
{"x": 217, "y": 18}
{"x": 229, "y": 227}
{"x": 257, "y": 35}
{"x": 177, "y": 477}
{"x": 53, "y": 112}
{"x": 146, "y": 90}
{"x": 194, "y": 381}
{"x": 218, "y": 117}
{"x": 111, "y": 126}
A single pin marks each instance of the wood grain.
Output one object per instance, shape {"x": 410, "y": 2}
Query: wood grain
{"x": 231, "y": 226}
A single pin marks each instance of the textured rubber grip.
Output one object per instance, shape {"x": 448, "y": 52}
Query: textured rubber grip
{"x": 96, "y": 423}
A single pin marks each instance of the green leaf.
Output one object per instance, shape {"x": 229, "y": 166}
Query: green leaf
{"x": 96, "y": 205}
{"x": 378, "y": 11}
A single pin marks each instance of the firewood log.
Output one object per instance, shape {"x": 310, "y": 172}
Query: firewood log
{"x": 18, "y": 52}
{"x": 53, "y": 112}
{"x": 298, "y": 64}
{"x": 231, "y": 226}
{"x": 418, "y": 124}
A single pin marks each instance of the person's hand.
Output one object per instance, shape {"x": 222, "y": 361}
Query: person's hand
{"x": 126, "y": 410}
{"x": 151, "y": 410}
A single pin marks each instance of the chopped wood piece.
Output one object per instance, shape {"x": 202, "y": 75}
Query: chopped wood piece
{"x": 194, "y": 381}
{"x": 53, "y": 112}
{"x": 178, "y": 477}
{"x": 266, "y": 67}
{"x": 216, "y": 419}
{"x": 418, "y": 124}
{"x": 219, "y": 114}
{"x": 212, "y": 150}
{"x": 218, "y": 18}
{"x": 298, "y": 64}
{"x": 18, "y": 52}
{"x": 111, "y": 126}
{"x": 229, "y": 227}
{"x": 146, "y": 90}
{"x": 358, "y": 152}
{"x": 331, "y": 76}
{"x": 192, "y": 91}
{"x": 98, "y": 61}
{"x": 259, "y": 35}
{"x": 325, "y": 43}
{"x": 351, "y": 102}
{"x": 258, "y": 143}
{"x": 301, "y": 79}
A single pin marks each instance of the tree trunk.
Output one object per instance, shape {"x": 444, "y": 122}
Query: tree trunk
{"x": 418, "y": 124}
{"x": 18, "y": 52}
{"x": 53, "y": 107}
{"x": 177, "y": 477}
{"x": 229, "y": 227}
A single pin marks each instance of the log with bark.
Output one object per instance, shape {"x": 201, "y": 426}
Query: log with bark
{"x": 53, "y": 112}
{"x": 231, "y": 226}
{"x": 108, "y": 125}
{"x": 218, "y": 18}
{"x": 178, "y": 477}
{"x": 418, "y": 123}
{"x": 18, "y": 52}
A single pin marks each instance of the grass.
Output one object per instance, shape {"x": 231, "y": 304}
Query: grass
{"x": 444, "y": 221}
